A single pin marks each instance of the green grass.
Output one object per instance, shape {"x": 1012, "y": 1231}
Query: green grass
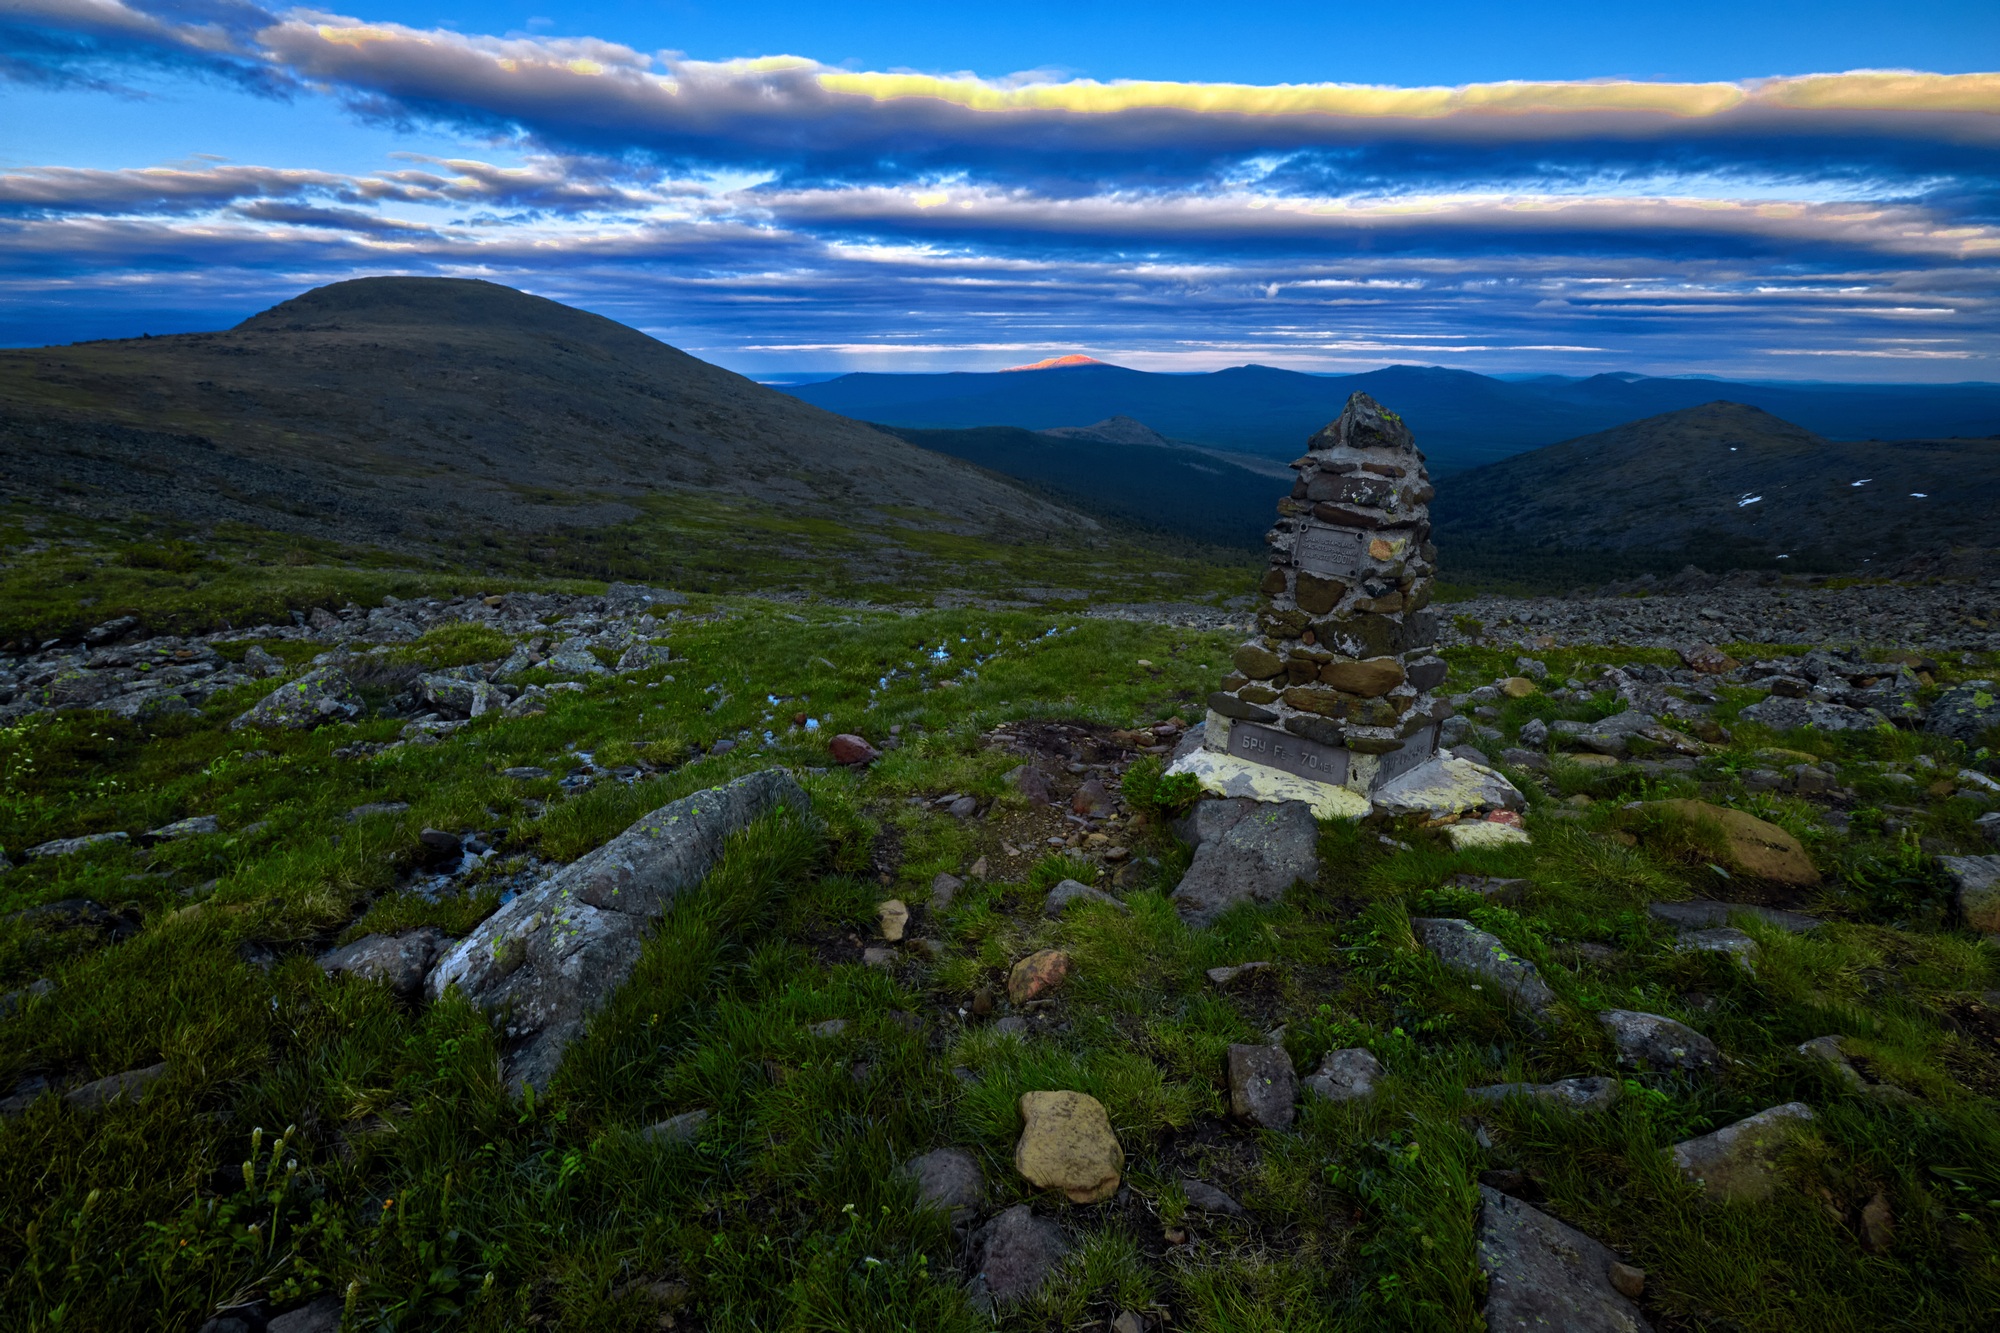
{"x": 425, "y": 1198}
{"x": 61, "y": 574}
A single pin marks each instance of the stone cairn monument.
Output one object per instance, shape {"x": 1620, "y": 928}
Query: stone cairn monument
{"x": 1331, "y": 702}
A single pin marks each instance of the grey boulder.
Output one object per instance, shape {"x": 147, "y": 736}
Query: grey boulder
{"x": 322, "y": 1316}
{"x": 1345, "y": 1076}
{"x": 398, "y": 961}
{"x": 1245, "y": 851}
{"x": 1782, "y": 714}
{"x": 130, "y": 1086}
{"x": 322, "y": 695}
{"x": 553, "y": 955}
{"x": 71, "y": 846}
{"x": 16, "y": 1000}
{"x": 1828, "y": 1051}
{"x": 1579, "y": 1094}
{"x": 1544, "y": 1274}
{"x": 1262, "y": 1090}
{"x": 1704, "y": 913}
{"x": 1070, "y": 891}
{"x": 1206, "y": 1198}
{"x": 1015, "y": 1253}
{"x": 1658, "y": 1043}
{"x": 573, "y": 660}
{"x": 1964, "y": 711}
{"x": 1464, "y": 947}
{"x": 460, "y": 698}
{"x": 948, "y": 1179}
{"x": 1737, "y": 1161}
{"x": 1723, "y": 940}
{"x": 195, "y": 826}
{"x": 1975, "y": 883}
{"x": 643, "y": 657}
{"x": 682, "y": 1128}
{"x": 263, "y": 663}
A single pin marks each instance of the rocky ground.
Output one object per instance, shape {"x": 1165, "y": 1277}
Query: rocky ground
{"x": 964, "y": 1044}
{"x": 1749, "y": 608}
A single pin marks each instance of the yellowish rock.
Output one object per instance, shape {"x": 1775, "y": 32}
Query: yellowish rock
{"x": 1753, "y": 847}
{"x": 1592, "y": 760}
{"x": 1067, "y": 1144}
{"x": 1478, "y": 834}
{"x": 1785, "y": 756}
{"x": 1517, "y": 687}
{"x": 894, "y": 918}
{"x": 1369, "y": 677}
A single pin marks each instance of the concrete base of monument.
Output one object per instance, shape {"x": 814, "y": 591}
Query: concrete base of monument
{"x": 1448, "y": 787}
{"x": 1227, "y": 775}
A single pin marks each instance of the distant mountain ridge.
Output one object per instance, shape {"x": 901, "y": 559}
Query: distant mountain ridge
{"x": 1721, "y": 485}
{"x": 1460, "y": 419}
{"x": 1124, "y": 471}
{"x": 403, "y": 411}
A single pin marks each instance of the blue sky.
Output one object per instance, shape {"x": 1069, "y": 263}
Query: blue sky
{"x": 1773, "y": 191}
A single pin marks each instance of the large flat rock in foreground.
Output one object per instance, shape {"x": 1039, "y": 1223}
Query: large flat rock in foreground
{"x": 552, "y": 956}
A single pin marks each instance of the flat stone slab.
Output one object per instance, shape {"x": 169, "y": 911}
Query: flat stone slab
{"x": 1706, "y": 913}
{"x": 1245, "y": 851}
{"x": 1546, "y": 1275}
{"x": 1446, "y": 788}
{"x": 1228, "y": 776}
{"x": 1581, "y": 1094}
{"x": 1466, "y": 948}
{"x": 553, "y": 955}
{"x": 1736, "y": 1162}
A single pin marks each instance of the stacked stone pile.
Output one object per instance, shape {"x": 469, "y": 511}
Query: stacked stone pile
{"x": 1342, "y": 656}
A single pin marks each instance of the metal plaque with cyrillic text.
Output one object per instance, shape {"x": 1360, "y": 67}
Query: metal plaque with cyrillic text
{"x": 1288, "y": 753}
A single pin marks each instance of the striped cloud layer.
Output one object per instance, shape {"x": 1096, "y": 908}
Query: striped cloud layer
{"x": 780, "y": 212}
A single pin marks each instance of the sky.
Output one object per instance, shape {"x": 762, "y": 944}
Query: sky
{"x": 1755, "y": 190}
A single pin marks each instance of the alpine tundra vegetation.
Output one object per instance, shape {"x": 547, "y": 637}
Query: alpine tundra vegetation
{"x": 404, "y": 948}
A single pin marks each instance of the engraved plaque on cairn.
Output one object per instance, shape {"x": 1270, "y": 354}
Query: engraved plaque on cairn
{"x": 1337, "y": 683}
